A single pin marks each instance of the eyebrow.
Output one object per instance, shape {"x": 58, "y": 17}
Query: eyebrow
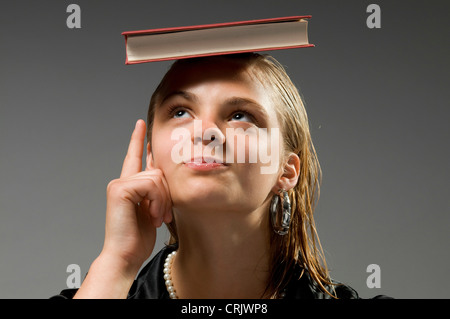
{"x": 186, "y": 95}
{"x": 241, "y": 101}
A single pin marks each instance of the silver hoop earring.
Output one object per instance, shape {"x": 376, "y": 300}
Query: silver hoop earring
{"x": 283, "y": 196}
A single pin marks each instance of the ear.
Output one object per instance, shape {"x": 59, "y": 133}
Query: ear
{"x": 289, "y": 177}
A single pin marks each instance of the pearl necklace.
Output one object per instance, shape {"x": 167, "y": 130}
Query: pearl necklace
{"x": 168, "y": 275}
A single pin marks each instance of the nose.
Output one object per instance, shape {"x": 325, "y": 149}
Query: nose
{"x": 207, "y": 131}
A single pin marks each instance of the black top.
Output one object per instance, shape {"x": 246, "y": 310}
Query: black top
{"x": 150, "y": 284}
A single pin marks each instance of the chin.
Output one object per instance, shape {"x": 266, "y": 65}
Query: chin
{"x": 202, "y": 193}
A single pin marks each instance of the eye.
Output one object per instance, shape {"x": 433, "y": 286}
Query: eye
{"x": 178, "y": 112}
{"x": 242, "y": 116}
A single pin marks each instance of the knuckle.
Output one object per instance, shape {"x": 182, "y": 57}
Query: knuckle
{"x": 157, "y": 172}
{"x": 157, "y": 179}
{"x": 113, "y": 186}
{"x": 152, "y": 184}
{"x": 110, "y": 185}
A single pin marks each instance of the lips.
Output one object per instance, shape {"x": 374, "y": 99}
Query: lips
{"x": 205, "y": 164}
{"x": 207, "y": 160}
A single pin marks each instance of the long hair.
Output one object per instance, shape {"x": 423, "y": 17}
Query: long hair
{"x": 300, "y": 248}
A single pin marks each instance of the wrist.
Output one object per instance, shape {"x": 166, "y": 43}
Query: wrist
{"x": 126, "y": 268}
{"x": 109, "y": 277}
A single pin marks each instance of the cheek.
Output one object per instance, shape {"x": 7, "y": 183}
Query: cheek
{"x": 255, "y": 187}
{"x": 273, "y": 145}
{"x": 162, "y": 145}
{"x": 258, "y": 147}
{"x": 261, "y": 169}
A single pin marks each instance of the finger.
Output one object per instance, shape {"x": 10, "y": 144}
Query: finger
{"x": 133, "y": 160}
{"x": 166, "y": 204}
{"x": 167, "y": 215}
{"x": 163, "y": 184}
{"x": 157, "y": 220}
{"x": 149, "y": 195}
{"x": 156, "y": 193}
{"x": 149, "y": 163}
{"x": 145, "y": 207}
{"x": 155, "y": 205}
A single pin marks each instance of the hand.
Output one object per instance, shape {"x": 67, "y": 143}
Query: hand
{"x": 137, "y": 203}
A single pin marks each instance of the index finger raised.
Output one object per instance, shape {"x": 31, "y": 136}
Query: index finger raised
{"x": 132, "y": 163}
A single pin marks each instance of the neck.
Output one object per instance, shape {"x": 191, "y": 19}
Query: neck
{"x": 222, "y": 254}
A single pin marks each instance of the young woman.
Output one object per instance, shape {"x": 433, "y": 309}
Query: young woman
{"x": 240, "y": 227}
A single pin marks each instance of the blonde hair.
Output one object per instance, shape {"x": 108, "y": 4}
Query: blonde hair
{"x": 301, "y": 246}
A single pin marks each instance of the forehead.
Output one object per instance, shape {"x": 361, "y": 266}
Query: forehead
{"x": 218, "y": 81}
{"x": 216, "y": 71}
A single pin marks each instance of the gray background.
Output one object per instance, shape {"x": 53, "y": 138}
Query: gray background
{"x": 377, "y": 101}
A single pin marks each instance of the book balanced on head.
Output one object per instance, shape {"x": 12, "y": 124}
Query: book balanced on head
{"x": 215, "y": 39}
